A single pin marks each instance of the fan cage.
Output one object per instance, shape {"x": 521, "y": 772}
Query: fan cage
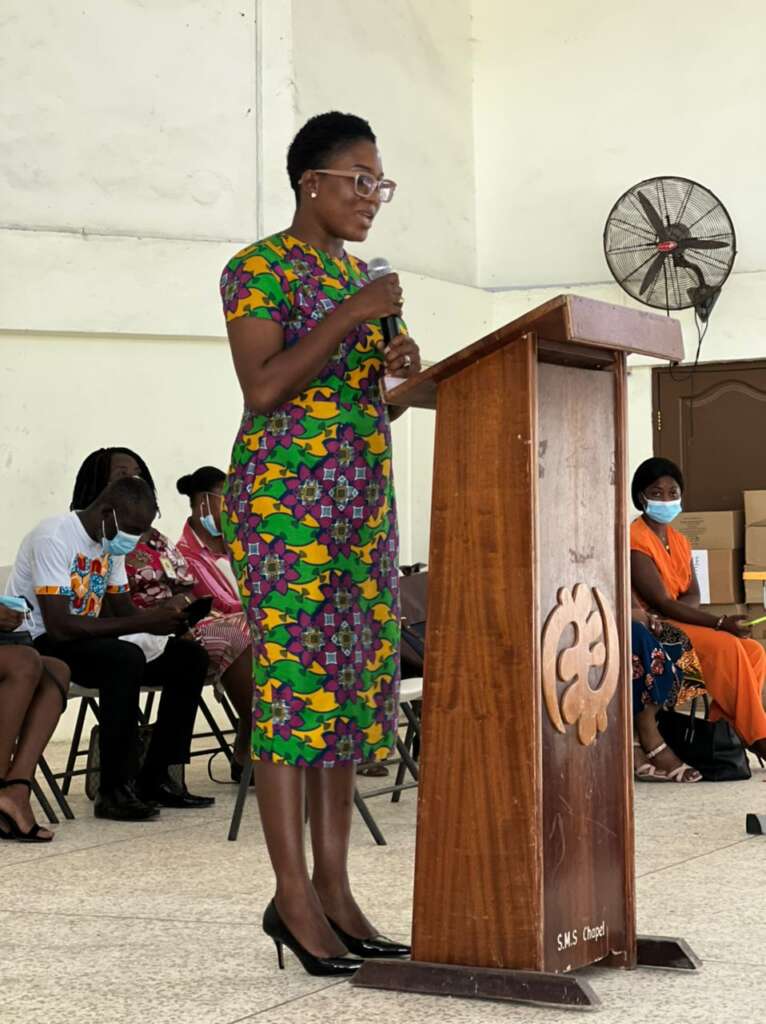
{"x": 630, "y": 241}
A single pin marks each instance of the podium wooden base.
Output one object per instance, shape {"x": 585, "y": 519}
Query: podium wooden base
{"x": 666, "y": 954}
{"x": 477, "y": 983}
{"x": 534, "y": 987}
{"x": 756, "y": 824}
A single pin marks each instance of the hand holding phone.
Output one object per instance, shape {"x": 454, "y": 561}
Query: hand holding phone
{"x": 198, "y": 610}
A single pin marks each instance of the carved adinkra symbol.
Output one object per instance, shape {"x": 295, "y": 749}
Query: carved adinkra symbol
{"x": 595, "y": 645}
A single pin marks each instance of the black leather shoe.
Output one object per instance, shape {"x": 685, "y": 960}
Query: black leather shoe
{"x": 376, "y": 948}
{"x": 122, "y": 804}
{"x": 320, "y": 966}
{"x": 130, "y": 787}
{"x": 168, "y": 793}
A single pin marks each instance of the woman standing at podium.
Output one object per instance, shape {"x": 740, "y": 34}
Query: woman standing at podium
{"x": 310, "y": 523}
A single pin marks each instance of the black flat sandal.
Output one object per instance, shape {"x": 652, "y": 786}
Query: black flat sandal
{"x": 14, "y": 832}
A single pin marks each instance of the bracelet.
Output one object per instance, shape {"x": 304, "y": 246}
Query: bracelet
{"x": 720, "y": 622}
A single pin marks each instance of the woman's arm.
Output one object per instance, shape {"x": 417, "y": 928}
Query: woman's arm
{"x": 648, "y": 584}
{"x": 270, "y": 374}
{"x": 692, "y": 595}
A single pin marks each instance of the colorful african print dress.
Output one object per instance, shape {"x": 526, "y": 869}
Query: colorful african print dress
{"x": 310, "y": 522}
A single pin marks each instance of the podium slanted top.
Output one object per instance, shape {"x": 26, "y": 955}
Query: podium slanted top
{"x": 567, "y": 318}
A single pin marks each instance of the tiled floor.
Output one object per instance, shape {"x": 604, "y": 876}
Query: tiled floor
{"x": 159, "y": 922}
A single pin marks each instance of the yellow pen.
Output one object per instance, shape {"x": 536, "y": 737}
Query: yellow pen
{"x": 755, "y": 622}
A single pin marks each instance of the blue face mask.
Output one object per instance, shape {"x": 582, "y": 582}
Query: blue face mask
{"x": 209, "y": 522}
{"x": 16, "y": 604}
{"x": 121, "y": 543}
{"x": 663, "y": 511}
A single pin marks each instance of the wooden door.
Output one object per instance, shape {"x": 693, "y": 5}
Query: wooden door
{"x": 711, "y": 423}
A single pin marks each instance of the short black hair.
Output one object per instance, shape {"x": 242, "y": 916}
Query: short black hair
{"x": 93, "y": 475}
{"x": 648, "y": 473}
{"x": 320, "y": 139}
{"x": 203, "y": 479}
{"x": 129, "y": 490}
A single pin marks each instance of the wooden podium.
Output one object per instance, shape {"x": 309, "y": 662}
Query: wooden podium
{"x": 524, "y": 866}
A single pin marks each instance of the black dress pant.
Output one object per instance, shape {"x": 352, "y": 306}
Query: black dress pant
{"x": 118, "y": 670}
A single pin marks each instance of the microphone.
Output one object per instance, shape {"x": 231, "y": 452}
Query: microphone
{"x": 379, "y": 267}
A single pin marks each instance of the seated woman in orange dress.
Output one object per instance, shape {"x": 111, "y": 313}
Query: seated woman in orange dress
{"x": 662, "y": 576}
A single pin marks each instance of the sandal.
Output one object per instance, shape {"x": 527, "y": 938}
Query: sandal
{"x": 374, "y": 770}
{"x": 647, "y": 772}
{"x": 650, "y": 773}
{"x": 14, "y": 832}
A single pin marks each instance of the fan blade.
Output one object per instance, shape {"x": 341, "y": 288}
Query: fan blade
{"x": 652, "y": 216}
{"x": 702, "y": 243}
{"x": 651, "y": 274}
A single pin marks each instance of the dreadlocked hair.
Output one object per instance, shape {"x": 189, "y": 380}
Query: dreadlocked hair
{"x": 130, "y": 491}
{"x": 93, "y": 476}
{"x": 320, "y": 139}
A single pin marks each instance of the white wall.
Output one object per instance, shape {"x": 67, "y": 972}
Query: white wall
{"x": 576, "y": 102}
{"x": 129, "y": 118}
{"x": 405, "y": 65}
{"x": 110, "y": 323}
{"x": 573, "y": 104}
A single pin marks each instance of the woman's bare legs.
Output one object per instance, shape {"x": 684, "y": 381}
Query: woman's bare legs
{"x": 32, "y": 695}
{"x": 237, "y": 681}
{"x": 650, "y": 738}
{"x": 281, "y": 793}
{"x": 331, "y": 805}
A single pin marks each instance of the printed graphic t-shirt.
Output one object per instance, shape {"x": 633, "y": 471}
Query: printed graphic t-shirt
{"x": 59, "y": 557}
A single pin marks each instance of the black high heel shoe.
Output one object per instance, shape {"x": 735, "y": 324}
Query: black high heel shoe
{"x": 321, "y": 966}
{"x": 14, "y": 832}
{"x": 376, "y": 948}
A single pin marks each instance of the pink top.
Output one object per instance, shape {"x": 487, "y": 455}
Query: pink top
{"x": 210, "y": 579}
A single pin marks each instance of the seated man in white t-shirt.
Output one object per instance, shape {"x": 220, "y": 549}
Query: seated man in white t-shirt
{"x": 71, "y": 568}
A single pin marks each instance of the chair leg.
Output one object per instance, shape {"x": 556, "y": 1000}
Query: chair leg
{"x": 413, "y": 712}
{"x": 215, "y": 729}
{"x": 42, "y": 799}
{"x": 59, "y": 797}
{"x": 368, "y": 819}
{"x": 402, "y": 767}
{"x": 148, "y": 705}
{"x": 239, "y": 806}
{"x": 413, "y": 719}
{"x": 229, "y": 711}
{"x": 75, "y": 745}
{"x": 407, "y": 759}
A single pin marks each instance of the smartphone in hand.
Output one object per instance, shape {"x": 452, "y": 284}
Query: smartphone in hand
{"x": 199, "y": 610}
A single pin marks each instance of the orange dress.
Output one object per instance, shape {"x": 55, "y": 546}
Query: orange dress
{"x": 734, "y": 670}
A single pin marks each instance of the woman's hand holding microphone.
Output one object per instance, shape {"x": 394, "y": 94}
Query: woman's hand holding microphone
{"x": 379, "y": 299}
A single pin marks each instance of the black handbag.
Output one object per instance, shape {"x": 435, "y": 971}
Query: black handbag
{"x": 93, "y": 764}
{"x": 713, "y": 748}
{"x": 413, "y": 594}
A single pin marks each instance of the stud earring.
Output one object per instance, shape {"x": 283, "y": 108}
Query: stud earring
{"x": 313, "y": 195}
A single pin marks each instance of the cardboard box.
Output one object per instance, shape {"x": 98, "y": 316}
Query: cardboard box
{"x": 755, "y": 545}
{"x": 729, "y": 609}
{"x": 719, "y": 574}
{"x": 712, "y": 530}
{"x": 754, "y": 588}
{"x": 755, "y": 508}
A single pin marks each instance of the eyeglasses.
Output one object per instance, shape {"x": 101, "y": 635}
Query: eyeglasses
{"x": 365, "y": 185}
